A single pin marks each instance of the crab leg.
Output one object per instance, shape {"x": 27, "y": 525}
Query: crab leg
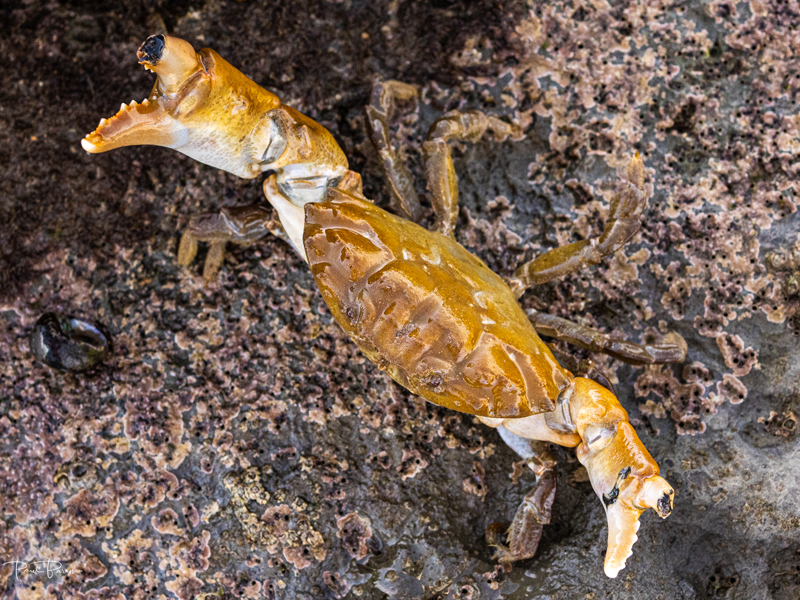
{"x": 671, "y": 349}
{"x": 379, "y": 112}
{"x": 241, "y": 225}
{"x": 623, "y": 223}
{"x": 523, "y": 535}
{"x": 439, "y": 169}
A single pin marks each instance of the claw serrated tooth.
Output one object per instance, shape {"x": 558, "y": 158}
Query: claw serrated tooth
{"x": 145, "y": 102}
{"x": 103, "y": 122}
{"x": 134, "y": 103}
{"x": 123, "y": 106}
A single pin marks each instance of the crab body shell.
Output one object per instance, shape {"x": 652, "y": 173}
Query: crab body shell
{"x": 426, "y": 310}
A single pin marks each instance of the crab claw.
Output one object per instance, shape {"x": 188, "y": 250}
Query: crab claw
{"x": 623, "y": 515}
{"x": 152, "y": 121}
{"x": 200, "y": 105}
{"x": 623, "y": 474}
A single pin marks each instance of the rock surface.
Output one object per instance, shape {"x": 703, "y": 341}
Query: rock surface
{"x": 236, "y": 444}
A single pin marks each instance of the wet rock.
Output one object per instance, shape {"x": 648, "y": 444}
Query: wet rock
{"x": 233, "y": 404}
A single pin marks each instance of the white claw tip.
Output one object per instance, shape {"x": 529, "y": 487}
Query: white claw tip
{"x": 613, "y": 570}
{"x": 623, "y": 524}
{"x": 617, "y": 563}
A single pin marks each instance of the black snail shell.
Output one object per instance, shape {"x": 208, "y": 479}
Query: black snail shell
{"x": 68, "y": 343}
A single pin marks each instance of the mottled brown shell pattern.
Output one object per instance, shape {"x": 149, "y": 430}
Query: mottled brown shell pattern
{"x": 431, "y": 314}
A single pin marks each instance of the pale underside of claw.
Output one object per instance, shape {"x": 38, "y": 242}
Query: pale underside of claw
{"x": 623, "y": 524}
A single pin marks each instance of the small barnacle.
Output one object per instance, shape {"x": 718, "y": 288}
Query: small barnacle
{"x": 355, "y": 532}
{"x": 338, "y": 585}
{"x": 475, "y": 483}
{"x": 76, "y": 475}
{"x": 780, "y": 424}
{"x": 68, "y": 343}
{"x": 784, "y": 260}
{"x": 792, "y": 287}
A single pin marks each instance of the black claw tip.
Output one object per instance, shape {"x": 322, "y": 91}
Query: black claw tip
{"x": 152, "y": 49}
{"x": 664, "y": 505}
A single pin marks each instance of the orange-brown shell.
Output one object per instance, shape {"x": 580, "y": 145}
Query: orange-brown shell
{"x": 431, "y": 314}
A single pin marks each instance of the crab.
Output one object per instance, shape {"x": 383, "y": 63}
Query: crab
{"x": 416, "y": 302}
